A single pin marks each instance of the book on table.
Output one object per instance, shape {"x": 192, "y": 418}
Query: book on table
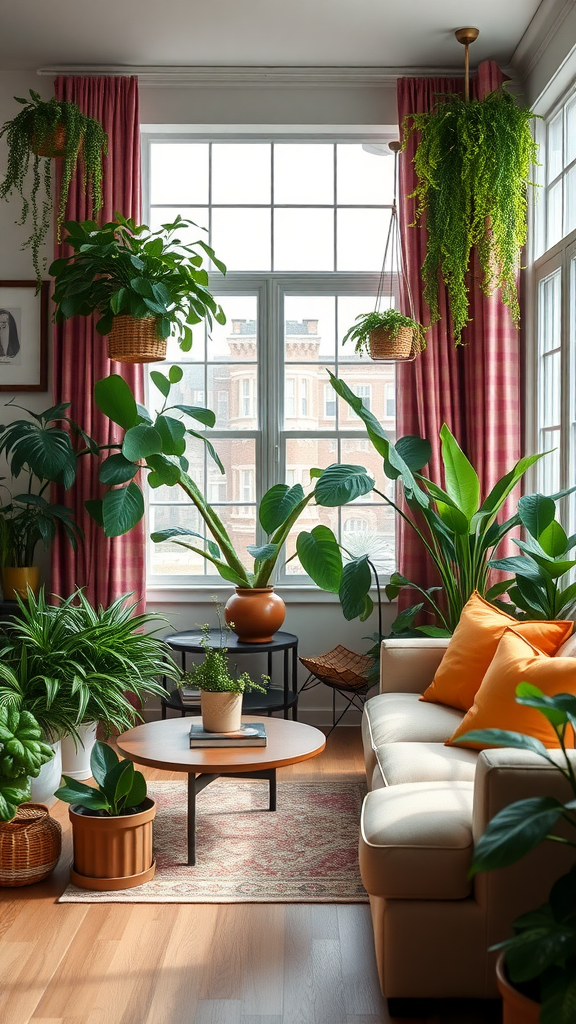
{"x": 189, "y": 696}
{"x": 251, "y": 734}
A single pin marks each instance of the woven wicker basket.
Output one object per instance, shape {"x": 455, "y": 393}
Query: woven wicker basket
{"x": 135, "y": 341}
{"x": 53, "y": 145}
{"x": 384, "y": 346}
{"x": 30, "y": 846}
{"x": 341, "y": 667}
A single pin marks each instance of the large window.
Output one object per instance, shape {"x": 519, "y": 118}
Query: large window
{"x": 553, "y": 428}
{"x": 301, "y": 227}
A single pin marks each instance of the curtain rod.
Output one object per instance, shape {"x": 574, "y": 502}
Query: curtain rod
{"x": 242, "y": 74}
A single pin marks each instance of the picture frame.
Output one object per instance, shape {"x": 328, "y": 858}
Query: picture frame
{"x": 23, "y": 336}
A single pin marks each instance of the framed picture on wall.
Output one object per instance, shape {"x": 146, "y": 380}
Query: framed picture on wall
{"x": 23, "y": 336}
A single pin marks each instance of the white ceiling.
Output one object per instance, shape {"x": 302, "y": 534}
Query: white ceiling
{"x": 370, "y": 33}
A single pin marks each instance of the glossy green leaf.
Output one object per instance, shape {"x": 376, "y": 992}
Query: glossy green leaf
{"x": 175, "y": 373}
{"x": 536, "y": 513}
{"x": 116, "y": 469}
{"x": 462, "y": 483}
{"x": 122, "y": 508}
{"x": 263, "y": 552}
{"x": 553, "y": 539}
{"x": 515, "y": 831}
{"x": 166, "y": 471}
{"x": 93, "y": 507}
{"x": 140, "y": 442}
{"x": 162, "y": 383}
{"x": 172, "y": 433}
{"x": 205, "y": 416}
{"x": 102, "y": 760}
{"x": 115, "y": 399}
{"x": 320, "y": 557}
{"x": 137, "y": 792}
{"x": 277, "y": 504}
{"x": 355, "y": 585}
{"x": 415, "y": 451}
{"x": 342, "y": 483}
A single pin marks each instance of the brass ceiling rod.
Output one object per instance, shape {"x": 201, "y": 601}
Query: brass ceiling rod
{"x": 467, "y": 36}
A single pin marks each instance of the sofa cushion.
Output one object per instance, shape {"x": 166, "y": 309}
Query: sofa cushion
{"x": 416, "y": 841}
{"x": 424, "y": 762}
{"x": 568, "y": 649}
{"x": 403, "y": 718}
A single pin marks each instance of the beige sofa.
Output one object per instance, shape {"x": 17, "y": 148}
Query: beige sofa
{"x": 427, "y": 805}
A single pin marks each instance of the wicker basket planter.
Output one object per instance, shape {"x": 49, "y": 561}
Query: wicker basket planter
{"x": 30, "y": 846}
{"x": 135, "y": 341}
{"x": 384, "y": 346}
{"x": 112, "y": 853}
{"x": 54, "y": 145}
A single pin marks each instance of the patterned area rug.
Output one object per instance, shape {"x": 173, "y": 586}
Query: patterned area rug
{"x": 305, "y": 852}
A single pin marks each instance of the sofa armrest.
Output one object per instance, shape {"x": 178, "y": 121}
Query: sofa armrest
{"x": 408, "y": 665}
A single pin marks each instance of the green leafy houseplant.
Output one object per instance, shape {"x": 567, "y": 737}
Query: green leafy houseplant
{"x": 158, "y": 443}
{"x": 124, "y": 269}
{"x": 391, "y": 320}
{"x": 70, "y": 663}
{"x": 458, "y": 529}
{"x": 42, "y": 130}
{"x": 473, "y": 163}
{"x": 535, "y": 592}
{"x": 543, "y": 949}
{"x": 120, "y": 789}
{"x": 22, "y": 754}
{"x": 212, "y": 674}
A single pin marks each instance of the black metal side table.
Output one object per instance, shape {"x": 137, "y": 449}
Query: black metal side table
{"x": 277, "y": 698}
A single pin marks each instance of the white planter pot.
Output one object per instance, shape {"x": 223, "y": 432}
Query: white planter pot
{"x": 76, "y": 762}
{"x": 221, "y": 712}
{"x": 45, "y": 785}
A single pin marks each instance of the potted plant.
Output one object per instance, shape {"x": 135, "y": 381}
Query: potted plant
{"x": 542, "y": 953}
{"x": 40, "y": 449}
{"x": 157, "y": 443}
{"x": 73, "y": 665}
{"x": 30, "y": 840}
{"x": 42, "y": 131}
{"x": 386, "y": 334}
{"x": 473, "y": 162}
{"x": 144, "y": 285}
{"x": 111, "y": 824}
{"x": 220, "y": 693}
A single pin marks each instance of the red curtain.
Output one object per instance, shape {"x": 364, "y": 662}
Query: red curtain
{"x": 475, "y": 389}
{"x": 105, "y": 567}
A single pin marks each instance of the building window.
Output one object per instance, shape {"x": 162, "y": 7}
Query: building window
{"x": 390, "y": 401}
{"x": 301, "y": 226}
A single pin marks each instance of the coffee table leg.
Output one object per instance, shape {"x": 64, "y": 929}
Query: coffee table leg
{"x": 196, "y": 783}
{"x": 272, "y": 780}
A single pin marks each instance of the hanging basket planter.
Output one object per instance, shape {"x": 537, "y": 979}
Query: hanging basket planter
{"x": 52, "y": 145}
{"x": 133, "y": 340}
{"x": 384, "y": 344}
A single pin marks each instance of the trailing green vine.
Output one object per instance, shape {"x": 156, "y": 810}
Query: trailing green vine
{"x": 31, "y": 133}
{"x": 473, "y": 164}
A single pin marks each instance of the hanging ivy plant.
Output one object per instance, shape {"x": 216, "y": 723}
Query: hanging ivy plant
{"x": 42, "y": 130}
{"x": 473, "y": 164}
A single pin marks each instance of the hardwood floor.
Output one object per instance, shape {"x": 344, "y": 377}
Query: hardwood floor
{"x": 191, "y": 964}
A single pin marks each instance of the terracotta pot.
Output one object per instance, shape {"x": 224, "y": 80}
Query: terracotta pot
{"x": 112, "y": 853}
{"x": 516, "y": 1007}
{"x": 255, "y": 615}
{"x": 17, "y": 581}
{"x": 221, "y": 712}
{"x": 76, "y": 760}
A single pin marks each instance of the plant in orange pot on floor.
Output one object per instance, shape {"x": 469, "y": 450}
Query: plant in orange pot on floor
{"x": 537, "y": 971}
{"x": 111, "y": 824}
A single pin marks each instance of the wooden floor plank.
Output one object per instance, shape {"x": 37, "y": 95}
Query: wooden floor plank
{"x": 361, "y": 986}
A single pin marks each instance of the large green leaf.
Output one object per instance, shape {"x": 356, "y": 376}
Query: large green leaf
{"x": 320, "y": 556}
{"x": 205, "y": 416}
{"x": 102, "y": 760}
{"x": 507, "y": 483}
{"x": 116, "y": 469}
{"x": 277, "y": 504}
{"x": 462, "y": 483}
{"x": 519, "y": 565}
{"x": 163, "y": 471}
{"x": 536, "y": 512}
{"x": 342, "y": 483}
{"x": 553, "y": 539}
{"x": 162, "y": 383}
{"x": 115, "y": 399}
{"x": 137, "y": 793}
{"x": 515, "y": 831}
{"x": 355, "y": 585}
{"x": 173, "y": 434}
{"x": 416, "y": 451}
{"x": 140, "y": 442}
{"x": 122, "y": 508}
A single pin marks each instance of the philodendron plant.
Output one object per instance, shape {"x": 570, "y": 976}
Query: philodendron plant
{"x": 458, "y": 528}
{"x": 535, "y": 591}
{"x": 120, "y": 789}
{"x": 157, "y": 443}
{"x": 22, "y": 754}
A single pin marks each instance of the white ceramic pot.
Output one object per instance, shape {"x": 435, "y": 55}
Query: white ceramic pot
{"x": 221, "y": 712}
{"x": 76, "y": 762}
{"x": 45, "y": 785}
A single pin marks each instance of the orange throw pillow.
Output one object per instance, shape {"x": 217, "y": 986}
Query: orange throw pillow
{"x": 517, "y": 661}
{"x": 473, "y": 645}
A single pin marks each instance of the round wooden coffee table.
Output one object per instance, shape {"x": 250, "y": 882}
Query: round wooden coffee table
{"x": 165, "y": 745}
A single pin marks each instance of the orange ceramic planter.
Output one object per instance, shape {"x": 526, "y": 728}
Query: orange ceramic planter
{"x": 516, "y": 1007}
{"x": 112, "y": 853}
{"x": 17, "y": 581}
{"x": 255, "y": 614}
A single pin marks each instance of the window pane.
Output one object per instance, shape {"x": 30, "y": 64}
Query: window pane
{"x": 554, "y": 154}
{"x": 232, "y": 395}
{"x": 304, "y": 397}
{"x": 238, "y": 456}
{"x": 570, "y": 145}
{"x": 303, "y": 173}
{"x": 309, "y": 329}
{"x": 549, "y": 466}
{"x": 364, "y": 177}
{"x": 189, "y": 391}
{"x": 241, "y": 238}
{"x": 550, "y": 311}
{"x": 179, "y": 172}
{"x": 551, "y": 391}
{"x": 350, "y": 307}
{"x": 241, "y": 172}
{"x": 554, "y": 218}
{"x": 240, "y": 523}
{"x": 370, "y": 530}
{"x": 368, "y": 381}
{"x": 235, "y": 340}
{"x": 361, "y": 239}
{"x": 168, "y": 558}
{"x": 303, "y": 240}
{"x": 570, "y": 201}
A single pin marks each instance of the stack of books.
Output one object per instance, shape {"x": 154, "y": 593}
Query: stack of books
{"x": 189, "y": 697}
{"x": 252, "y": 735}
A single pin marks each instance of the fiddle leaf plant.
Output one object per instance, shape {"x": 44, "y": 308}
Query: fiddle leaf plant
{"x": 120, "y": 789}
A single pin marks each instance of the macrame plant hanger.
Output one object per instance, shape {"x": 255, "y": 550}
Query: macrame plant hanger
{"x": 406, "y": 345}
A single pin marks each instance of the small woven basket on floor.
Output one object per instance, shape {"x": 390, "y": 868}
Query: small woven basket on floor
{"x": 384, "y": 346}
{"x": 340, "y": 667}
{"x": 30, "y": 846}
{"x": 135, "y": 341}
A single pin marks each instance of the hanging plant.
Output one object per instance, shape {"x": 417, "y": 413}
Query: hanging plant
{"x": 41, "y": 131}
{"x": 473, "y": 165}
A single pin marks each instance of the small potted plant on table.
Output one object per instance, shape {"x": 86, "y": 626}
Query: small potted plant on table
{"x": 220, "y": 693}
{"x": 386, "y": 334}
{"x": 111, "y": 824}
